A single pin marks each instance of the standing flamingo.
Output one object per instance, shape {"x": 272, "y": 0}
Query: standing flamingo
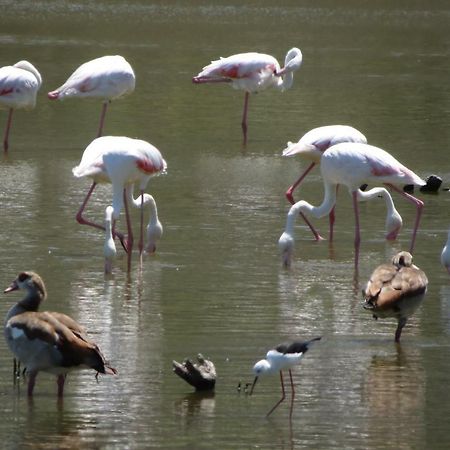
{"x": 19, "y": 85}
{"x": 395, "y": 290}
{"x": 108, "y": 78}
{"x": 445, "y": 255}
{"x": 252, "y": 72}
{"x": 352, "y": 164}
{"x": 121, "y": 161}
{"x": 320, "y": 139}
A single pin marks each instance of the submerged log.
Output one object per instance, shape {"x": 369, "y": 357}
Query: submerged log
{"x": 202, "y": 375}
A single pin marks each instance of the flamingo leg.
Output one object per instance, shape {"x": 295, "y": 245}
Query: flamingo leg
{"x": 31, "y": 382}
{"x": 290, "y": 197}
{"x": 244, "y": 117}
{"x": 283, "y": 396}
{"x": 419, "y": 208}
{"x": 357, "y": 228}
{"x": 8, "y": 127}
{"x": 130, "y": 238}
{"x": 141, "y": 236}
{"x": 293, "y": 394}
{"x": 60, "y": 381}
{"x": 290, "y": 191}
{"x": 332, "y": 218}
{"x": 102, "y": 118}
{"x": 82, "y": 221}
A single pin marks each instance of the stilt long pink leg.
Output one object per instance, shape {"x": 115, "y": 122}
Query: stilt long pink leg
{"x": 102, "y": 118}
{"x": 293, "y": 394}
{"x": 283, "y": 396}
{"x": 8, "y": 127}
{"x": 82, "y": 221}
{"x": 419, "y": 208}
{"x": 244, "y": 117}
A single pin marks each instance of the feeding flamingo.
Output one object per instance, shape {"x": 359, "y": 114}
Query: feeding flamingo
{"x": 282, "y": 357}
{"x": 252, "y": 72}
{"x": 445, "y": 255}
{"x": 122, "y": 161}
{"x": 320, "y": 138}
{"x": 19, "y": 85}
{"x": 47, "y": 341}
{"x": 353, "y": 164}
{"x": 109, "y": 248}
{"x": 395, "y": 290}
{"x": 107, "y": 78}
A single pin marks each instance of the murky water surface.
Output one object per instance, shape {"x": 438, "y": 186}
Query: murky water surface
{"x": 216, "y": 285}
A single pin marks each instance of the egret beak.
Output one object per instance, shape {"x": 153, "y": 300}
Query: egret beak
{"x": 253, "y": 385}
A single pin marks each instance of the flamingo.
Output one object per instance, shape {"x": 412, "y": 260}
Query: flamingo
{"x": 445, "y": 255}
{"x": 48, "y": 342}
{"x": 252, "y": 72}
{"x": 282, "y": 357}
{"x": 122, "y": 161}
{"x": 108, "y": 78}
{"x": 395, "y": 290}
{"x": 19, "y": 85}
{"x": 353, "y": 164}
{"x": 320, "y": 138}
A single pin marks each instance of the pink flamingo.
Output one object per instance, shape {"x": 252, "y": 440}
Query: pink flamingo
{"x": 252, "y": 72}
{"x": 108, "y": 78}
{"x": 353, "y": 164}
{"x": 320, "y": 139}
{"x": 19, "y": 85}
{"x": 123, "y": 161}
{"x": 445, "y": 255}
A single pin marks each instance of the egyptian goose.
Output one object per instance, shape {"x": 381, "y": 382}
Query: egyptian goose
{"x": 395, "y": 290}
{"x": 47, "y": 341}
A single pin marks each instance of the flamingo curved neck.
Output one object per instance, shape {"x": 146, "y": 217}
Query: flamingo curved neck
{"x": 393, "y": 218}
{"x": 303, "y": 206}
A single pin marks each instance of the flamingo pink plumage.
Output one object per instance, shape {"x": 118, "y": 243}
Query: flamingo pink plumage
{"x": 107, "y": 78}
{"x": 352, "y": 164}
{"x": 121, "y": 161}
{"x": 19, "y": 85}
{"x": 320, "y": 139}
{"x": 252, "y": 72}
{"x": 445, "y": 254}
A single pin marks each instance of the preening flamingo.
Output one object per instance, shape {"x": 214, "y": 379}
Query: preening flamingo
{"x": 445, "y": 255}
{"x": 283, "y": 357}
{"x": 45, "y": 341}
{"x": 320, "y": 139}
{"x": 353, "y": 164}
{"x": 19, "y": 85}
{"x": 252, "y": 72}
{"x": 122, "y": 161}
{"x": 395, "y": 290}
{"x": 107, "y": 78}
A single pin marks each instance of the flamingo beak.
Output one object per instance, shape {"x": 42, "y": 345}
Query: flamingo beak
{"x": 13, "y": 287}
{"x": 253, "y": 385}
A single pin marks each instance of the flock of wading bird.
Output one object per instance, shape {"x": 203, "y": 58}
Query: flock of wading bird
{"x": 53, "y": 342}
